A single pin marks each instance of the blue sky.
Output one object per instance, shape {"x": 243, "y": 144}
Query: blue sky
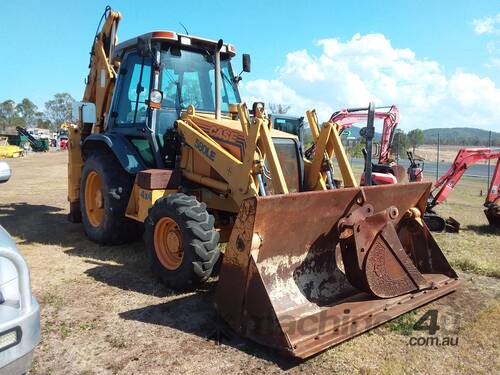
{"x": 45, "y": 48}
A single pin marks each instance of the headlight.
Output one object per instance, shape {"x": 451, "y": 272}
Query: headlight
{"x": 10, "y": 338}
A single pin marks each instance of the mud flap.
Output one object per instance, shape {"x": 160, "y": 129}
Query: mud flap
{"x": 285, "y": 283}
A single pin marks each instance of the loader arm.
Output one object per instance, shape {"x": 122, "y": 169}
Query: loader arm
{"x": 464, "y": 159}
{"x": 328, "y": 144}
{"x": 241, "y": 177}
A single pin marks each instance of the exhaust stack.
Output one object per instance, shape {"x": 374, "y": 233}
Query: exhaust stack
{"x": 217, "y": 79}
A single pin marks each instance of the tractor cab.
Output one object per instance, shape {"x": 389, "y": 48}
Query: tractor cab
{"x": 161, "y": 73}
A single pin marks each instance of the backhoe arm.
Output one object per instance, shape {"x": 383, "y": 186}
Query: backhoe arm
{"x": 99, "y": 86}
{"x": 102, "y": 73}
{"x": 390, "y": 122}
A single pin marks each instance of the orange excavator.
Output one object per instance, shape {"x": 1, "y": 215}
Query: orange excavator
{"x": 445, "y": 184}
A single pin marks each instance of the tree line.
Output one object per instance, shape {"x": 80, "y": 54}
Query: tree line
{"x": 401, "y": 143}
{"x": 27, "y": 114}
{"x": 461, "y": 136}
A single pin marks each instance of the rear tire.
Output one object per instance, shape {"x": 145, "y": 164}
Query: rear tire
{"x": 105, "y": 189}
{"x": 188, "y": 253}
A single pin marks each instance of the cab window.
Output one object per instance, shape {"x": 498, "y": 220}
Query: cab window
{"x": 134, "y": 90}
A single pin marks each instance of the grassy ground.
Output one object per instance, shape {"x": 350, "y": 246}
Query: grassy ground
{"x": 103, "y": 312}
{"x": 476, "y": 248}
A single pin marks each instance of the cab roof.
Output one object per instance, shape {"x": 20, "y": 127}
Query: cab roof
{"x": 174, "y": 38}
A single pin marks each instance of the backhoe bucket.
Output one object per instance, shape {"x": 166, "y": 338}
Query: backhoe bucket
{"x": 306, "y": 271}
{"x": 492, "y": 213}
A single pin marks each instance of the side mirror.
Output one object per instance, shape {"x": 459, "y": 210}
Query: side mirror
{"x": 246, "y": 63}
{"x": 144, "y": 47}
{"x": 258, "y": 109}
{"x": 5, "y": 172}
{"x": 83, "y": 112}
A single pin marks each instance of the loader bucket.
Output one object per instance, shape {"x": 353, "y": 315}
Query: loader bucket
{"x": 306, "y": 271}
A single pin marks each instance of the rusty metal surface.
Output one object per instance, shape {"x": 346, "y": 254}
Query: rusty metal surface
{"x": 452, "y": 225}
{"x": 399, "y": 172}
{"x": 283, "y": 282}
{"x": 374, "y": 259}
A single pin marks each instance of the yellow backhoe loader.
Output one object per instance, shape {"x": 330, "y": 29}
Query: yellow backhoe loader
{"x": 163, "y": 145}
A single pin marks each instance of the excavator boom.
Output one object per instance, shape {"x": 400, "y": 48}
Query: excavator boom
{"x": 492, "y": 202}
{"x": 464, "y": 159}
{"x": 345, "y": 118}
{"x": 447, "y": 182}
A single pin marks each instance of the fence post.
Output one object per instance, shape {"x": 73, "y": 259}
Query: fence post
{"x": 489, "y": 162}
{"x": 437, "y": 160}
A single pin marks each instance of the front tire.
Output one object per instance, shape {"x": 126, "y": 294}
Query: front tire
{"x": 181, "y": 241}
{"x": 105, "y": 189}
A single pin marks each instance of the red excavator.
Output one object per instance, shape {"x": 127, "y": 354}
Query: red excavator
{"x": 464, "y": 159}
{"x": 386, "y": 171}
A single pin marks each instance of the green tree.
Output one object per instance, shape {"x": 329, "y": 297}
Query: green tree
{"x": 400, "y": 144}
{"x": 416, "y": 138}
{"x": 58, "y": 110}
{"x": 27, "y": 111}
{"x": 42, "y": 121}
{"x": 280, "y": 109}
{"x": 355, "y": 150}
{"x": 8, "y": 115}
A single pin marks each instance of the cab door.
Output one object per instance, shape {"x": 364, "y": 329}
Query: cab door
{"x": 130, "y": 115}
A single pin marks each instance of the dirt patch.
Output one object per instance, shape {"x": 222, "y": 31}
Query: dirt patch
{"x": 103, "y": 312}
{"x": 447, "y": 153}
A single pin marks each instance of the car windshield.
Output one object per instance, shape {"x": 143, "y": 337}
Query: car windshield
{"x": 188, "y": 78}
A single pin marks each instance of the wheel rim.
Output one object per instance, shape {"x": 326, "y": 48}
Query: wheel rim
{"x": 168, "y": 243}
{"x": 94, "y": 200}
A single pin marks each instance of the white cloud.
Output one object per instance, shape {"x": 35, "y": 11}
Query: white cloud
{"x": 367, "y": 67}
{"x": 490, "y": 26}
{"x": 494, "y": 63}
{"x": 487, "y": 25}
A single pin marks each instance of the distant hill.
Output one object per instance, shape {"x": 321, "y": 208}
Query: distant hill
{"x": 449, "y": 136}
{"x": 461, "y": 136}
